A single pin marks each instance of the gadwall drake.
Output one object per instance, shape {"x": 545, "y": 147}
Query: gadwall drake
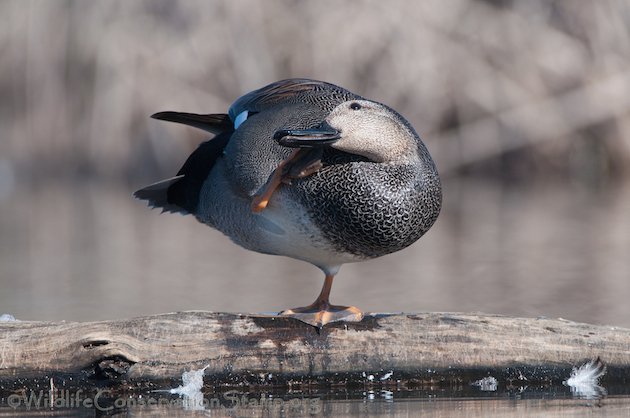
{"x": 308, "y": 170}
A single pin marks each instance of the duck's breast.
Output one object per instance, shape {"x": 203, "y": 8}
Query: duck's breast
{"x": 371, "y": 209}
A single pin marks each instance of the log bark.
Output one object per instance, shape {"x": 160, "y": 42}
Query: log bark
{"x": 259, "y": 350}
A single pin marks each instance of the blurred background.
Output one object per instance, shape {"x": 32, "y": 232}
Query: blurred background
{"x": 525, "y": 107}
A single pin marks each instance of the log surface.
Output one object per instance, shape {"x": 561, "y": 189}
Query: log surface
{"x": 268, "y": 350}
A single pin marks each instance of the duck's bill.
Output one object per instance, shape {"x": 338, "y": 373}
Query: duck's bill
{"x": 306, "y": 138}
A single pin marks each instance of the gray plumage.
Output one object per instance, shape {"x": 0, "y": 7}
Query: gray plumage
{"x": 377, "y": 192}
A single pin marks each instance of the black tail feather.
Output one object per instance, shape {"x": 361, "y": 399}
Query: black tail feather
{"x": 215, "y": 123}
{"x": 157, "y": 195}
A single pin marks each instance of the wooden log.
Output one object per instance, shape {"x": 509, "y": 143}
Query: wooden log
{"x": 264, "y": 350}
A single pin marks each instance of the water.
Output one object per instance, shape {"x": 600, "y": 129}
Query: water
{"x": 379, "y": 403}
{"x": 90, "y": 251}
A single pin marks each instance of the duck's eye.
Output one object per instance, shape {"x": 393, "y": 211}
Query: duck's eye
{"x": 355, "y": 106}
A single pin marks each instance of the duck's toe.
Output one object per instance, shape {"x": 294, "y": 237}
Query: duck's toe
{"x": 318, "y": 316}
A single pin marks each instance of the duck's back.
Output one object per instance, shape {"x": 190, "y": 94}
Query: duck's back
{"x": 252, "y": 154}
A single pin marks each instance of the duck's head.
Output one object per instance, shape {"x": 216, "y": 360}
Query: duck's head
{"x": 360, "y": 127}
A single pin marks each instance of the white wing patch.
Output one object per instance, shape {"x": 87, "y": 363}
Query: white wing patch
{"x": 242, "y": 117}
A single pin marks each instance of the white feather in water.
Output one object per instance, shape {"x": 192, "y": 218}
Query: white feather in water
{"x": 584, "y": 380}
{"x": 191, "y": 389}
{"x": 487, "y": 384}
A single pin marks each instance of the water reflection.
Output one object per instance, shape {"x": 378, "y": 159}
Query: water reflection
{"x": 393, "y": 403}
{"x": 90, "y": 251}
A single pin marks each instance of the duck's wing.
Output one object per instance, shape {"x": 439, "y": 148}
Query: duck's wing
{"x": 181, "y": 193}
{"x": 284, "y": 91}
{"x": 292, "y": 90}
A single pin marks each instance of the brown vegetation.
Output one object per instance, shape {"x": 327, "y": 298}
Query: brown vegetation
{"x": 528, "y": 86}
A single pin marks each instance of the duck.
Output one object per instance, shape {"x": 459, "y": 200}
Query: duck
{"x": 309, "y": 170}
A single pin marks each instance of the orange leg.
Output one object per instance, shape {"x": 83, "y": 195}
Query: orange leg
{"x": 261, "y": 201}
{"x": 321, "y": 312}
